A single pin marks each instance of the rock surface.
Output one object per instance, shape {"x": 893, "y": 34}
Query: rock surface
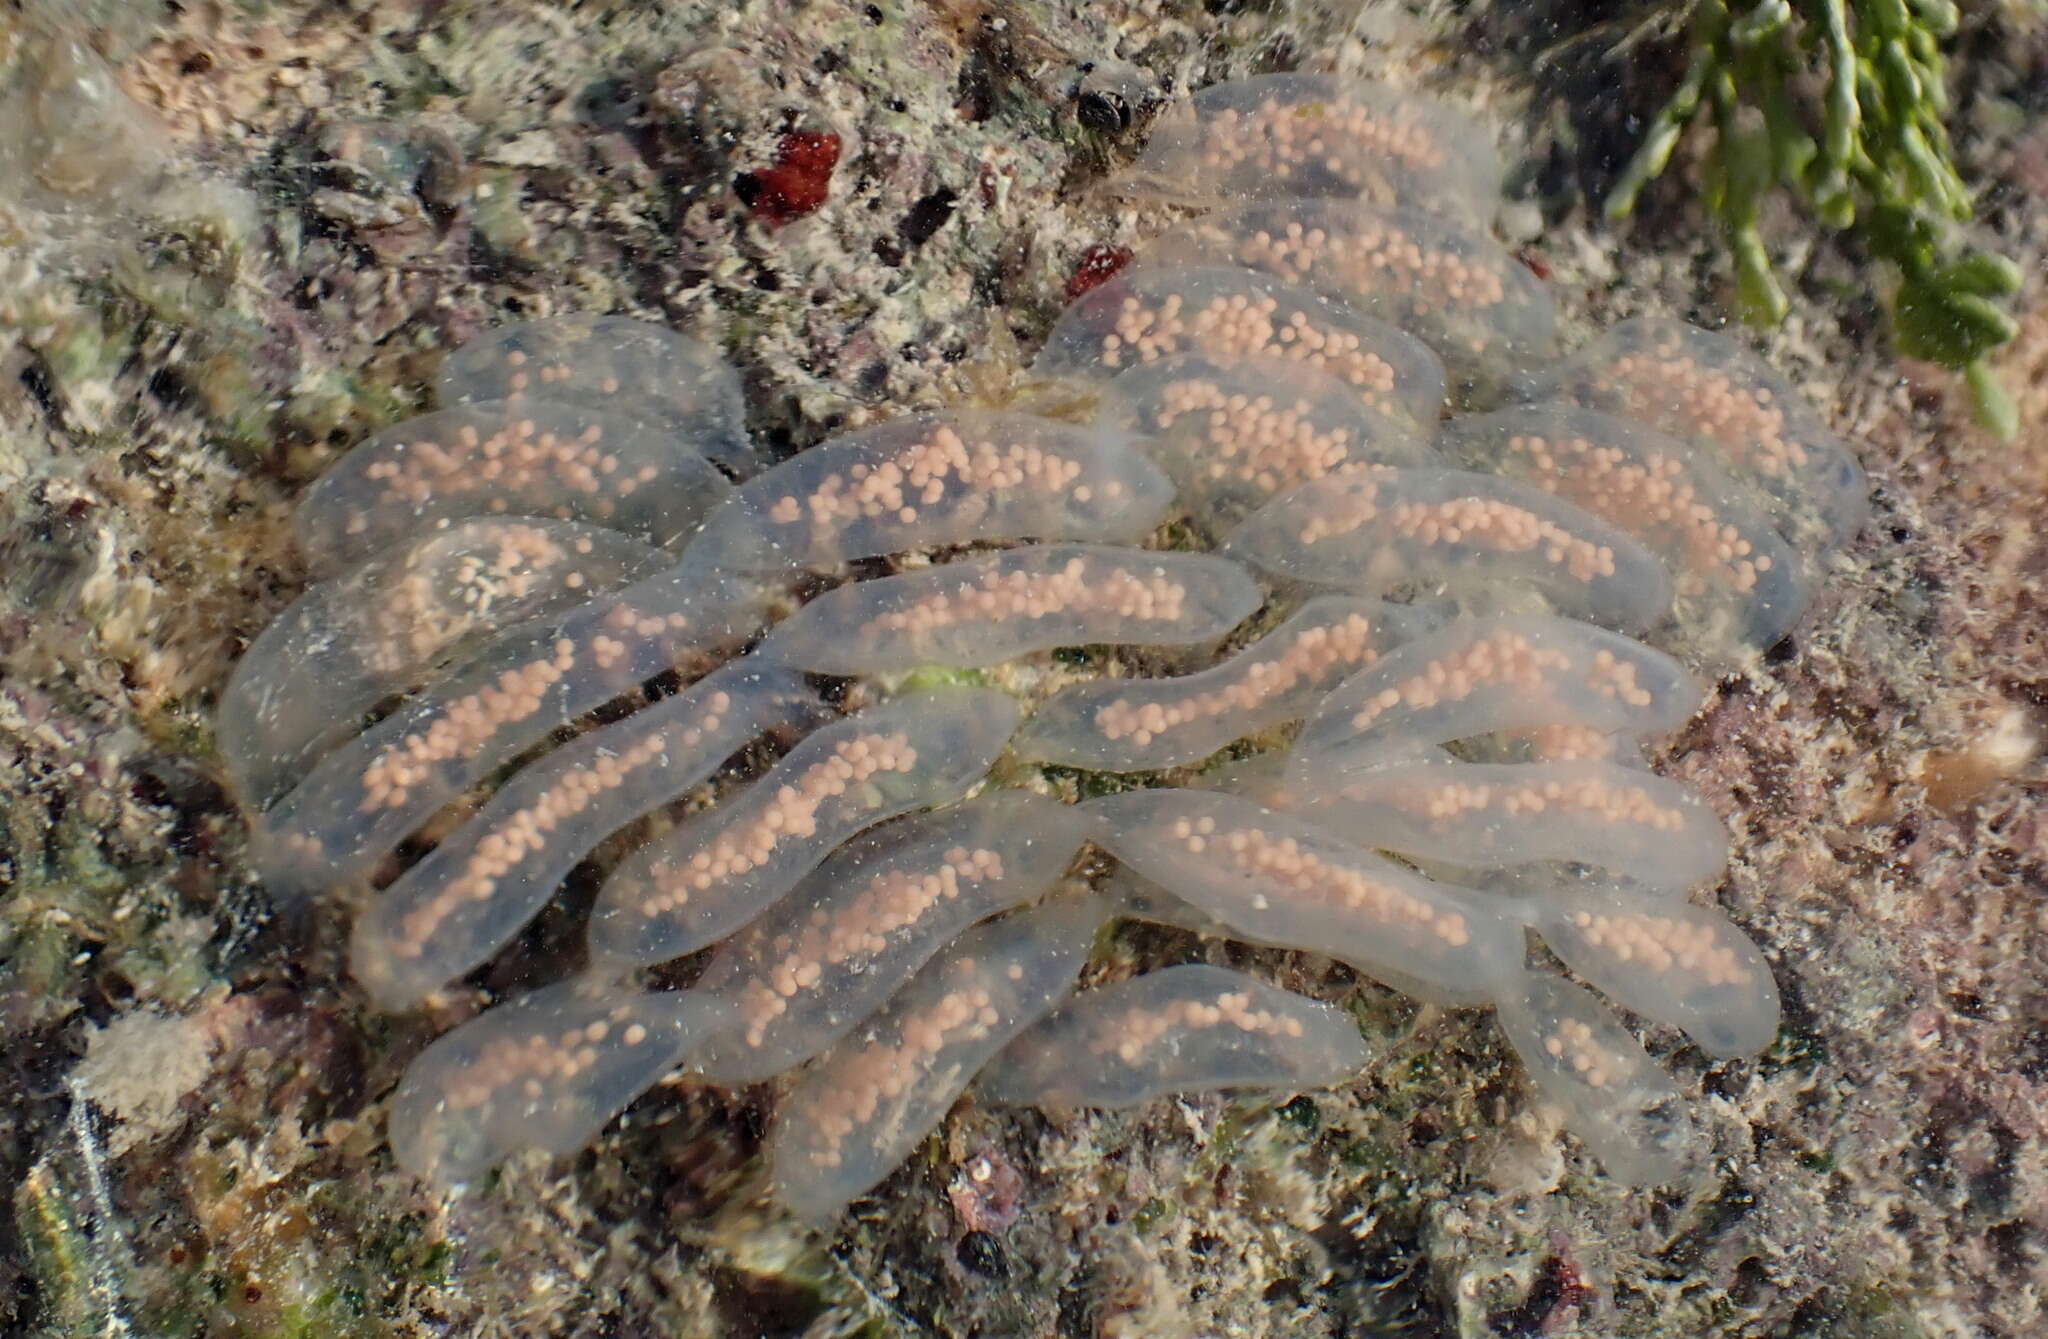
{"x": 238, "y": 237}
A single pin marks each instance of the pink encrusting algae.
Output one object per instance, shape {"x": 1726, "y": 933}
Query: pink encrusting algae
{"x": 1483, "y": 623}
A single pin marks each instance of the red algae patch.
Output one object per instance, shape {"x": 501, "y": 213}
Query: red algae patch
{"x": 799, "y": 181}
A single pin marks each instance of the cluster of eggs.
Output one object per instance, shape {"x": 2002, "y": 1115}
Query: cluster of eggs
{"x": 1480, "y": 620}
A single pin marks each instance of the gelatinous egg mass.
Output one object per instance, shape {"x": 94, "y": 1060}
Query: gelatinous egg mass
{"x": 823, "y": 719}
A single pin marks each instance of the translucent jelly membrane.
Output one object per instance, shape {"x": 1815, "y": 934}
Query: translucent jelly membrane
{"x": 983, "y": 611}
{"x": 1129, "y": 725}
{"x": 380, "y": 628}
{"x": 1623, "y": 1107}
{"x": 1273, "y": 878}
{"x": 832, "y": 952}
{"x": 1737, "y": 585}
{"x": 1488, "y": 815}
{"x": 1449, "y": 284}
{"x": 1234, "y": 433}
{"x": 360, "y": 801}
{"x": 931, "y": 480}
{"x": 462, "y": 903}
{"x": 1708, "y": 389}
{"x": 1148, "y": 315}
{"x": 720, "y": 869}
{"x": 1320, "y": 135}
{"x": 1180, "y": 1029}
{"x": 867, "y": 1102}
{"x": 1484, "y": 676}
{"x": 546, "y": 1071}
{"x": 1448, "y": 533}
{"x": 1663, "y": 958}
{"x": 676, "y": 386}
{"x": 503, "y": 459}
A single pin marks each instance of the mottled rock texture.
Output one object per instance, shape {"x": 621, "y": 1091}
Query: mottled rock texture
{"x": 243, "y": 234}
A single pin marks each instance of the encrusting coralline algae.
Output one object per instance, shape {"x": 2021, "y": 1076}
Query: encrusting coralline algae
{"x": 1454, "y": 611}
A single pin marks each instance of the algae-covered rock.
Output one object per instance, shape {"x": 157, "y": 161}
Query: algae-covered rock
{"x": 237, "y": 237}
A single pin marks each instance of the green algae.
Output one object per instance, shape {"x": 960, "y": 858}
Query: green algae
{"x": 1881, "y": 166}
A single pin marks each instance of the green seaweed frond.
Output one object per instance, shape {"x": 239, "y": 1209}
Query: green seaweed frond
{"x": 1867, "y": 153}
